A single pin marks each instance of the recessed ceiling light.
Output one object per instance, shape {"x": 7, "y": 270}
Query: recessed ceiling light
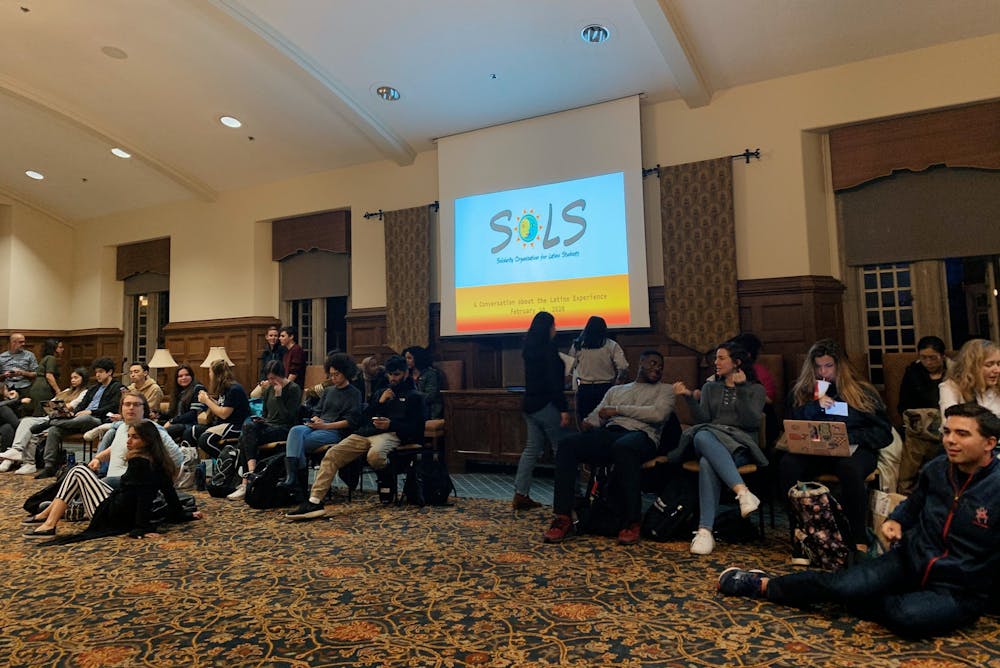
{"x": 230, "y": 121}
{"x": 387, "y": 93}
{"x": 120, "y": 153}
{"x": 595, "y": 34}
{"x": 114, "y": 52}
{"x": 38, "y": 176}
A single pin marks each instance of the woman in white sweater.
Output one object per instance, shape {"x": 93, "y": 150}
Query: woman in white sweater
{"x": 973, "y": 376}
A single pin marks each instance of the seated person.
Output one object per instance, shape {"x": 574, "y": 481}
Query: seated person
{"x": 624, "y": 430}
{"x": 110, "y": 460}
{"x": 183, "y": 411}
{"x": 337, "y": 415}
{"x": 282, "y": 399}
{"x": 21, "y": 454}
{"x": 826, "y": 365}
{"x": 973, "y": 376}
{"x": 128, "y": 509}
{"x": 727, "y": 422}
{"x": 17, "y": 366}
{"x": 371, "y": 379}
{"x": 394, "y": 417}
{"x": 228, "y": 407}
{"x": 426, "y": 379}
{"x": 941, "y": 574}
{"x": 918, "y": 406}
{"x": 100, "y": 401}
{"x": 138, "y": 372}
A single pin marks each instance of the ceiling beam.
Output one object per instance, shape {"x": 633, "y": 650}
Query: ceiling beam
{"x": 11, "y": 195}
{"x": 664, "y": 24}
{"x": 392, "y": 146}
{"x": 65, "y": 113}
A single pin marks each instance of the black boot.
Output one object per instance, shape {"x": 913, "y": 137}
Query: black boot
{"x": 291, "y": 473}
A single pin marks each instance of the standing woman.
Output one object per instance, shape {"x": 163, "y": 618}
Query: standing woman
{"x": 867, "y": 427}
{"x": 973, "y": 376}
{"x": 598, "y": 364}
{"x": 46, "y": 383}
{"x": 727, "y": 425}
{"x": 545, "y": 411}
{"x": 272, "y": 351}
{"x": 128, "y": 509}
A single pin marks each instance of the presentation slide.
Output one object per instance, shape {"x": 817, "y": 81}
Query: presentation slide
{"x": 559, "y": 247}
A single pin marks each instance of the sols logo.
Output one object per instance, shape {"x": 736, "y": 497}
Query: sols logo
{"x": 528, "y": 227}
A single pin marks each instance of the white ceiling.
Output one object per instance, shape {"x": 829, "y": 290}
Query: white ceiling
{"x": 301, "y": 74}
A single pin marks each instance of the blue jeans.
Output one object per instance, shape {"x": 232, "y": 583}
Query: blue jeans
{"x": 302, "y": 440}
{"x": 716, "y": 466}
{"x": 885, "y": 590}
{"x": 543, "y": 426}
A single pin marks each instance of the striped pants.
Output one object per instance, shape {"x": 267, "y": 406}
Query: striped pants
{"x": 83, "y": 484}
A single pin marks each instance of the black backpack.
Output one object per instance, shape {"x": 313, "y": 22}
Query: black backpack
{"x": 673, "y": 515}
{"x": 262, "y": 485}
{"x": 427, "y": 481}
{"x": 226, "y": 474}
{"x": 601, "y": 512}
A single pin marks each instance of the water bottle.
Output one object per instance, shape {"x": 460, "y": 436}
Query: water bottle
{"x": 71, "y": 459}
{"x": 199, "y": 477}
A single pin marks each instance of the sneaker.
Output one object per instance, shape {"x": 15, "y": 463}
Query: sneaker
{"x": 799, "y": 557}
{"x": 11, "y": 454}
{"x": 737, "y": 582}
{"x": 748, "y": 502}
{"x": 561, "y": 529}
{"x": 703, "y": 542}
{"x": 238, "y": 493}
{"x": 524, "y": 502}
{"x": 26, "y": 469}
{"x": 6, "y": 465}
{"x": 47, "y": 472}
{"x": 629, "y": 535}
{"x": 307, "y": 511}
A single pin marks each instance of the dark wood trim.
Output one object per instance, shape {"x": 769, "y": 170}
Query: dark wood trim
{"x": 247, "y": 321}
{"x": 243, "y": 339}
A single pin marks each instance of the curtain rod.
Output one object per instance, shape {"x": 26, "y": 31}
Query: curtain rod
{"x": 436, "y": 205}
{"x": 745, "y": 155}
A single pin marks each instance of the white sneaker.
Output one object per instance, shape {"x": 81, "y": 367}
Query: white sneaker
{"x": 11, "y": 454}
{"x": 26, "y": 469}
{"x": 748, "y": 502}
{"x": 6, "y": 465}
{"x": 240, "y": 492}
{"x": 703, "y": 542}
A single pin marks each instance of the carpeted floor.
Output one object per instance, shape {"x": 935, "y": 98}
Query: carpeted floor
{"x": 467, "y": 585}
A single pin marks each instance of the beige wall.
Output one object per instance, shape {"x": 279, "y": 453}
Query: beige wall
{"x": 220, "y": 251}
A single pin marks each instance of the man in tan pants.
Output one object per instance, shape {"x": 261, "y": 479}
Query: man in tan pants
{"x": 394, "y": 416}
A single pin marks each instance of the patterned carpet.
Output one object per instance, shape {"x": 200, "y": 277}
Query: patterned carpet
{"x": 468, "y": 585}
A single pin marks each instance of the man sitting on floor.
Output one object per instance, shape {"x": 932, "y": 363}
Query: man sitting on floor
{"x": 624, "y": 430}
{"x": 394, "y": 417}
{"x": 100, "y": 400}
{"x": 940, "y": 575}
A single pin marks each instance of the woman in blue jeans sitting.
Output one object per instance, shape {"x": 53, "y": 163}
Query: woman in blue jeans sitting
{"x": 728, "y": 419}
{"x": 546, "y": 412}
{"x": 338, "y": 414}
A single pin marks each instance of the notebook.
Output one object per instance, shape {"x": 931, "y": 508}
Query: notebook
{"x": 815, "y": 437}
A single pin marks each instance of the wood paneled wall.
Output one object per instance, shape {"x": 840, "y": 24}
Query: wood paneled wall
{"x": 243, "y": 339}
{"x": 788, "y": 314}
{"x": 83, "y": 346}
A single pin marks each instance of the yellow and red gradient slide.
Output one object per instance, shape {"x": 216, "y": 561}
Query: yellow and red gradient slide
{"x": 512, "y": 306}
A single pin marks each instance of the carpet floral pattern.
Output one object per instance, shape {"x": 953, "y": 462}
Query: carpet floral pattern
{"x": 467, "y": 585}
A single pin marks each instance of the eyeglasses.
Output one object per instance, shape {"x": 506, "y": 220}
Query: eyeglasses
{"x": 132, "y": 404}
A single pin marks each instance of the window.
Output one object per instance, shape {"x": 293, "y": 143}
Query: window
{"x": 888, "y": 313}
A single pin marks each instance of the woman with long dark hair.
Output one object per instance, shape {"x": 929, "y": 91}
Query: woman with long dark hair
{"x": 598, "y": 363}
{"x": 727, "y": 422}
{"x": 183, "y": 411}
{"x": 426, "y": 379}
{"x": 867, "y": 424}
{"x": 127, "y": 509}
{"x": 545, "y": 409}
{"x": 46, "y": 383}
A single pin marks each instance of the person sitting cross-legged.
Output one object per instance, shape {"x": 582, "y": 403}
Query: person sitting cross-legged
{"x": 941, "y": 574}
{"x": 394, "y": 417}
{"x": 624, "y": 430}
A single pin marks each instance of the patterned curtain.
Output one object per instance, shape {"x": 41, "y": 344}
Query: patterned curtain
{"x": 699, "y": 253}
{"x": 408, "y": 278}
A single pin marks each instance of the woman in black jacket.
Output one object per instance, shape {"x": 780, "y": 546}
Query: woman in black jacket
{"x": 128, "y": 509}
{"x": 545, "y": 409}
{"x": 184, "y": 408}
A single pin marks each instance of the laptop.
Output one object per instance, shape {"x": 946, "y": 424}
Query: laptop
{"x": 816, "y": 437}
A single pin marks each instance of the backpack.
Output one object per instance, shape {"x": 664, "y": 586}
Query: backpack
{"x": 226, "y": 473}
{"x": 820, "y": 525}
{"x": 731, "y": 527}
{"x": 189, "y": 463}
{"x": 673, "y": 514}
{"x": 601, "y": 512}
{"x": 263, "y": 490}
{"x": 427, "y": 481}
